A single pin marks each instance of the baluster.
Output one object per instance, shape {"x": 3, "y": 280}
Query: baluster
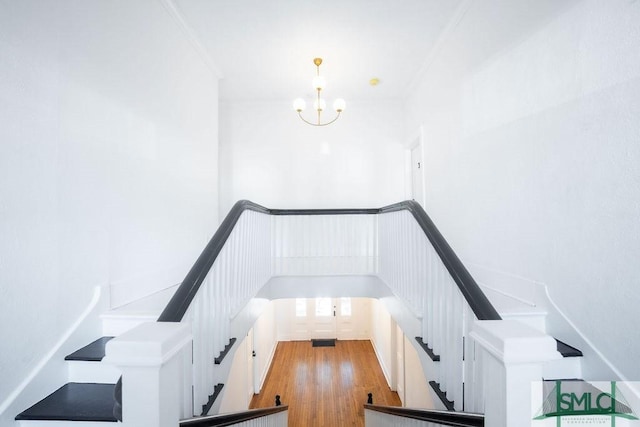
{"x": 375, "y": 224}
{"x": 291, "y": 229}
{"x": 282, "y": 223}
{"x": 337, "y": 247}
{"x": 276, "y": 244}
{"x": 273, "y": 246}
{"x": 243, "y": 286}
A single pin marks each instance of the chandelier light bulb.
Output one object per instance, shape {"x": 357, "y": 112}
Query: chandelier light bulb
{"x": 319, "y": 82}
{"x": 339, "y": 105}
{"x": 299, "y": 105}
{"x": 319, "y": 105}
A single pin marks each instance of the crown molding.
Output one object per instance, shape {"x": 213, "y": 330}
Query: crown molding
{"x": 191, "y": 37}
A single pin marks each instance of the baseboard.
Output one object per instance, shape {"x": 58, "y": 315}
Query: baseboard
{"x": 268, "y": 363}
{"x": 385, "y": 369}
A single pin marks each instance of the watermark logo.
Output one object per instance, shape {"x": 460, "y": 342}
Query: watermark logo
{"x": 582, "y": 403}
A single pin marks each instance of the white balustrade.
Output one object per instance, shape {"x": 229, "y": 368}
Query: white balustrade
{"x": 414, "y": 271}
{"x": 275, "y": 420}
{"x": 324, "y": 244}
{"x": 378, "y": 419}
{"x": 242, "y": 267}
{"x": 391, "y": 245}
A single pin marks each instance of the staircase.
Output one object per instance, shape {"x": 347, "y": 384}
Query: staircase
{"x": 87, "y": 398}
{"x": 436, "y": 295}
{"x": 568, "y": 367}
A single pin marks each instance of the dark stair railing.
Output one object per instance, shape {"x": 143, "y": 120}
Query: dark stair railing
{"x": 472, "y": 293}
{"x": 186, "y": 292}
{"x": 231, "y": 419}
{"x": 444, "y": 418}
{"x": 178, "y": 305}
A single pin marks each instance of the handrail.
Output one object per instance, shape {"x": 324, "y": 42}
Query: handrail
{"x": 445, "y": 418}
{"x": 231, "y": 419}
{"x": 179, "y": 303}
{"x": 476, "y": 299}
{"x": 344, "y": 211}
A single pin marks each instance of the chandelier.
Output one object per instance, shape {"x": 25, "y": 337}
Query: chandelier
{"x": 319, "y": 104}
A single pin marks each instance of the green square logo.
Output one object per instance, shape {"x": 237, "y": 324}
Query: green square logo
{"x": 579, "y": 403}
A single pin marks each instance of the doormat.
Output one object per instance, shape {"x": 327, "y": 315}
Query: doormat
{"x": 323, "y": 343}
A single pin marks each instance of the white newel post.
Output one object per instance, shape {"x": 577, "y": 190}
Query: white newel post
{"x": 512, "y": 355}
{"x": 153, "y": 359}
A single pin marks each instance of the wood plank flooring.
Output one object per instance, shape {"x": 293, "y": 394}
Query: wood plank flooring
{"x": 325, "y": 386}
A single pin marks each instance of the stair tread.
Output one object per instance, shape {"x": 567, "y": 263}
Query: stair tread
{"x": 449, "y": 404}
{"x": 428, "y": 350}
{"x": 75, "y": 402}
{"x": 93, "y": 352}
{"x": 566, "y": 350}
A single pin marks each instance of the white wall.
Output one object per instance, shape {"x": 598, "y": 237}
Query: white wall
{"x": 417, "y": 391}
{"x": 236, "y": 393}
{"x": 265, "y": 342}
{"x": 383, "y": 339}
{"x": 269, "y": 156}
{"x": 384, "y": 330}
{"x": 532, "y": 151}
{"x": 108, "y": 163}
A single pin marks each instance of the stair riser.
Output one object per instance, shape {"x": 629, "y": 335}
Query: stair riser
{"x": 567, "y": 367}
{"x": 117, "y": 325}
{"x": 536, "y": 321}
{"x": 92, "y": 372}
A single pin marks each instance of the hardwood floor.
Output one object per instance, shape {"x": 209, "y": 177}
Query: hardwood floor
{"x": 325, "y": 386}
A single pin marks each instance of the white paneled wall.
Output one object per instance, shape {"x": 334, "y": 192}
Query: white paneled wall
{"x": 324, "y": 244}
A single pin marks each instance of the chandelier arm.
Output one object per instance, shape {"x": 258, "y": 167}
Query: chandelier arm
{"x": 336, "y": 118}
{"x": 318, "y": 124}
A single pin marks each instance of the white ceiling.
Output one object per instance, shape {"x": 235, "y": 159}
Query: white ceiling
{"x": 265, "y": 49}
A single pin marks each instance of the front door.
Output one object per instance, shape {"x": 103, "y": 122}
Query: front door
{"x": 323, "y": 315}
